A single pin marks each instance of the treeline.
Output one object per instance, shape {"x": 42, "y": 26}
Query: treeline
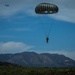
{"x": 7, "y": 64}
{"x": 18, "y": 70}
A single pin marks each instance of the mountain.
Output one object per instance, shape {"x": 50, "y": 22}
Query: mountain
{"x": 7, "y": 64}
{"x": 33, "y": 59}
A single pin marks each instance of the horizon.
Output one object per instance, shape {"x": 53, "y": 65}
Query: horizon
{"x": 37, "y": 53}
{"x": 21, "y": 29}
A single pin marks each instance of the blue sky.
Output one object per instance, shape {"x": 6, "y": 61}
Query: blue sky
{"x": 21, "y": 29}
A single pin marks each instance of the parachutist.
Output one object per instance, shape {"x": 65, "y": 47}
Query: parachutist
{"x": 46, "y": 8}
{"x": 47, "y": 39}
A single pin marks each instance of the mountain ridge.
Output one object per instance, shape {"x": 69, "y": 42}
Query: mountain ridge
{"x": 33, "y": 59}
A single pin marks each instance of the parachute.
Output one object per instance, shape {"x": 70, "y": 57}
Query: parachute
{"x": 46, "y": 8}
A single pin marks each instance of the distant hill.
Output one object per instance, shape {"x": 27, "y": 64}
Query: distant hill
{"x": 33, "y": 59}
{"x": 7, "y": 64}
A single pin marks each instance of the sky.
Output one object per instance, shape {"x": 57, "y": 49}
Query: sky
{"x": 21, "y": 29}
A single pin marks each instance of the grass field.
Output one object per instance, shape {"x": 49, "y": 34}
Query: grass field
{"x": 17, "y": 70}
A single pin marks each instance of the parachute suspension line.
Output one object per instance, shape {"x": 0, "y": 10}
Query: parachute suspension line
{"x": 47, "y": 33}
{"x": 44, "y": 29}
{"x": 50, "y": 28}
{"x": 42, "y": 26}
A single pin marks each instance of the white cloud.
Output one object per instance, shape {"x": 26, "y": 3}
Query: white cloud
{"x": 14, "y": 47}
{"x": 66, "y": 8}
{"x": 70, "y": 54}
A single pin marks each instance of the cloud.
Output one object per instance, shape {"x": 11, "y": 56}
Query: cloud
{"x": 66, "y": 8}
{"x": 14, "y": 47}
{"x": 15, "y": 6}
{"x": 17, "y": 47}
{"x": 70, "y": 54}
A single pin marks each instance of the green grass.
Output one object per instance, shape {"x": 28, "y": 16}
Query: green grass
{"x": 17, "y": 70}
